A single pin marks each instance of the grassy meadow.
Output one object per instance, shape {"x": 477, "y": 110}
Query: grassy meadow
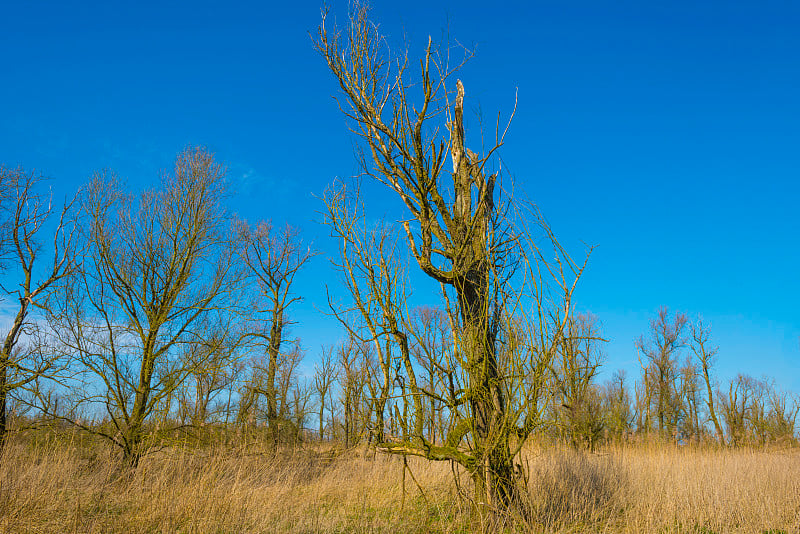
{"x": 68, "y": 483}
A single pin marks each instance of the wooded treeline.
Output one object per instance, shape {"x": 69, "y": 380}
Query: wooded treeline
{"x": 138, "y": 316}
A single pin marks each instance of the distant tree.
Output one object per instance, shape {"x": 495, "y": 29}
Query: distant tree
{"x": 735, "y": 405}
{"x": 758, "y": 417}
{"x": 691, "y": 427}
{"x": 300, "y": 398}
{"x": 370, "y": 272}
{"x": 660, "y": 352}
{"x": 288, "y": 383}
{"x": 705, "y": 354}
{"x": 353, "y": 359}
{"x": 432, "y": 349}
{"x": 273, "y": 260}
{"x": 577, "y": 363}
{"x": 617, "y": 406}
{"x": 214, "y": 363}
{"x": 325, "y": 372}
{"x": 271, "y": 399}
{"x": 643, "y": 393}
{"x": 784, "y": 409}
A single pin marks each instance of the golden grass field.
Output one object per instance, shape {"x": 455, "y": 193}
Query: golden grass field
{"x": 67, "y": 484}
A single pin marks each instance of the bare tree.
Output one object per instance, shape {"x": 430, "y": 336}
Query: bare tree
{"x": 247, "y": 405}
{"x": 661, "y": 350}
{"x": 735, "y": 406}
{"x": 353, "y": 357}
{"x": 156, "y": 266}
{"x": 758, "y": 417}
{"x": 691, "y": 426}
{"x": 213, "y": 361}
{"x": 783, "y": 415}
{"x": 275, "y": 406}
{"x": 325, "y": 372}
{"x": 617, "y": 406}
{"x": 705, "y": 355}
{"x": 27, "y": 214}
{"x": 577, "y": 363}
{"x": 300, "y": 398}
{"x": 371, "y": 273}
{"x": 643, "y": 394}
{"x": 459, "y": 234}
{"x": 273, "y": 260}
{"x": 431, "y": 348}
{"x": 292, "y": 392}
{"x": 770, "y": 416}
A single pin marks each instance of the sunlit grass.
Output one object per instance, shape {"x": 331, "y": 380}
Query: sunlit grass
{"x": 73, "y": 485}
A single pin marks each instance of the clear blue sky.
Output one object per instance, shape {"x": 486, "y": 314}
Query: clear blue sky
{"x": 666, "y": 133}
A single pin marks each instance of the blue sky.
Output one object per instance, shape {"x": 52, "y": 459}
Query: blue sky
{"x": 665, "y": 133}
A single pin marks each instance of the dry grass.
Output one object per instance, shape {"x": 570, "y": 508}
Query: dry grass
{"x": 64, "y": 485}
{"x": 661, "y": 488}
